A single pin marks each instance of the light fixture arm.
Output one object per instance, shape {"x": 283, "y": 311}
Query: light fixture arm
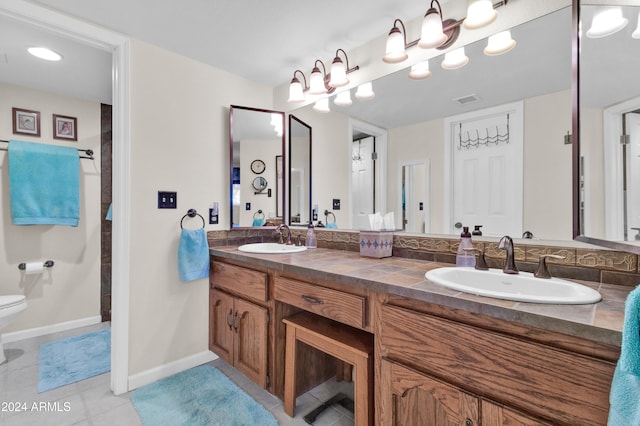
{"x": 305, "y": 86}
{"x": 346, "y": 60}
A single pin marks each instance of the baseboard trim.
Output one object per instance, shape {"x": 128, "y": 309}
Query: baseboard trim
{"x": 48, "y": 329}
{"x": 169, "y": 369}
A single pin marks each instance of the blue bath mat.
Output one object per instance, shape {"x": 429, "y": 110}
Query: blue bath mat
{"x": 198, "y": 396}
{"x": 70, "y": 360}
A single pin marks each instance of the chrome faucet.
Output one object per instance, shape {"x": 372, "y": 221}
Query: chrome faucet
{"x": 279, "y": 231}
{"x": 506, "y": 243}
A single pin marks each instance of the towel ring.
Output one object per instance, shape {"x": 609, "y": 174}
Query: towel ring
{"x": 192, "y": 213}
{"x": 326, "y": 216}
{"x": 257, "y": 213}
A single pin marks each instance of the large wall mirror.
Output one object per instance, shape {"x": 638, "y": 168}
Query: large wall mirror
{"x": 256, "y": 139}
{"x": 608, "y": 159}
{"x": 299, "y": 172}
{"x": 528, "y": 88}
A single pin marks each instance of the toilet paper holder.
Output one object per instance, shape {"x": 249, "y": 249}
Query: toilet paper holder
{"x": 47, "y": 264}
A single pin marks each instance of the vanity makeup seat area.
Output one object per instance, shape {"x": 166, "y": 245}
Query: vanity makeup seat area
{"x": 440, "y": 356}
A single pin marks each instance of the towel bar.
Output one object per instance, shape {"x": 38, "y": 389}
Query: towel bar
{"x": 89, "y": 152}
{"x": 192, "y": 213}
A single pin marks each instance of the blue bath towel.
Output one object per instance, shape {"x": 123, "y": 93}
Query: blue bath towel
{"x": 625, "y": 389}
{"x": 193, "y": 255}
{"x": 44, "y": 184}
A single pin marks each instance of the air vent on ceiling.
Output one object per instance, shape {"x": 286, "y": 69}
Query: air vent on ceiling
{"x": 463, "y": 100}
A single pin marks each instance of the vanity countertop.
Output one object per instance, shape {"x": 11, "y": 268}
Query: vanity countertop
{"x": 600, "y": 322}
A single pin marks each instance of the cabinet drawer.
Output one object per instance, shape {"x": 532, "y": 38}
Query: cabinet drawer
{"x": 568, "y": 387}
{"x": 239, "y": 280}
{"x": 337, "y": 305}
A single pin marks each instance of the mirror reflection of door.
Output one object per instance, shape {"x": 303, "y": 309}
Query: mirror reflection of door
{"x": 631, "y": 125}
{"x": 486, "y": 166}
{"x": 414, "y": 198}
{"x": 362, "y": 181}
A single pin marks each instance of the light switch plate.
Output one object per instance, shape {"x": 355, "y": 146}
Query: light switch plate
{"x": 167, "y": 200}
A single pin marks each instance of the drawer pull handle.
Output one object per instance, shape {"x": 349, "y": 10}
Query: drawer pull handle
{"x": 312, "y": 300}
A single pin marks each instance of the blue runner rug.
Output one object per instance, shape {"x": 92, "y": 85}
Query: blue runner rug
{"x": 199, "y": 396}
{"x": 77, "y": 358}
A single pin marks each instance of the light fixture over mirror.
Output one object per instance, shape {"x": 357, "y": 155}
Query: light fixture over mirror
{"x": 479, "y": 14}
{"x": 321, "y": 83}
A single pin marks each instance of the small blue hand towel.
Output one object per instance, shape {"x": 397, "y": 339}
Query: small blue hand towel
{"x": 193, "y": 255}
{"x": 109, "y": 215}
{"x": 331, "y": 225}
{"x": 258, "y": 222}
{"x": 44, "y": 184}
{"x": 625, "y": 389}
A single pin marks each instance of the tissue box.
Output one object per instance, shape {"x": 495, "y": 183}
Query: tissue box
{"x": 376, "y": 243}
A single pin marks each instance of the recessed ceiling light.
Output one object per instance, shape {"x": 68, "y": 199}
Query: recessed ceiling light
{"x": 44, "y": 53}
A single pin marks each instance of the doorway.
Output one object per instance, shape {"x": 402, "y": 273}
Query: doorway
{"x": 413, "y": 196}
{"x": 119, "y": 46}
{"x": 621, "y": 140}
{"x": 367, "y": 156}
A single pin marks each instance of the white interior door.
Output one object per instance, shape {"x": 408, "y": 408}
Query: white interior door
{"x": 362, "y": 174}
{"x": 486, "y": 173}
{"x": 633, "y": 175}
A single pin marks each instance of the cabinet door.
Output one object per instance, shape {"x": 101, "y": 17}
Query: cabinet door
{"x": 411, "y": 398}
{"x": 221, "y": 330}
{"x": 495, "y": 415}
{"x": 250, "y": 347}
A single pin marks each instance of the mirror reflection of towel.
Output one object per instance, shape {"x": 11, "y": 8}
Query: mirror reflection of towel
{"x": 258, "y": 222}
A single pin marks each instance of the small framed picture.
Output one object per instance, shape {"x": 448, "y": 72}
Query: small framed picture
{"x": 65, "y": 127}
{"x": 26, "y": 122}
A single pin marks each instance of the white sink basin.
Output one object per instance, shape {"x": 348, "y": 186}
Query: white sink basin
{"x": 267, "y": 248}
{"x": 523, "y": 287}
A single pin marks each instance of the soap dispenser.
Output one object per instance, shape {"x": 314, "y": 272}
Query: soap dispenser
{"x": 464, "y": 257}
{"x": 311, "y": 241}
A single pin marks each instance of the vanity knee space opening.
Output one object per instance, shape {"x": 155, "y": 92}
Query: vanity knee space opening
{"x": 349, "y": 345}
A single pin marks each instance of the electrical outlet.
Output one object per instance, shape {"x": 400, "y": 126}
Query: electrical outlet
{"x": 336, "y": 204}
{"x": 213, "y": 217}
{"x": 421, "y": 206}
{"x": 247, "y": 206}
{"x": 167, "y": 200}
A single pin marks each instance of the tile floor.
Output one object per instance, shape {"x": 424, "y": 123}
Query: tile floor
{"x": 90, "y": 402}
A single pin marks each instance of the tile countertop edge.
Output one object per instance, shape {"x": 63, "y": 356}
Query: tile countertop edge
{"x": 455, "y": 300}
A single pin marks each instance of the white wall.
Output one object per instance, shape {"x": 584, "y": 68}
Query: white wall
{"x": 179, "y": 142}
{"x": 71, "y": 289}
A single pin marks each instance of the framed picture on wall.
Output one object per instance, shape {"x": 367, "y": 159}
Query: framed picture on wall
{"x": 26, "y": 122}
{"x": 65, "y": 127}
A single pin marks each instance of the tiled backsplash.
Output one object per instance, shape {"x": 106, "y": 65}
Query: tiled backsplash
{"x": 607, "y": 266}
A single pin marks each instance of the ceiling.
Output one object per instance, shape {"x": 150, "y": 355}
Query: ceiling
{"x": 263, "y": 41}
{"x": 266, "y": 41}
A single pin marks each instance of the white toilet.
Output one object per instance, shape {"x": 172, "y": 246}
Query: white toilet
{"x": 10, "y": 307}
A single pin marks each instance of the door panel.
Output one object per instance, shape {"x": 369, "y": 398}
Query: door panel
{"x": 221, "y": 325}
{"x": 250, "y": 355}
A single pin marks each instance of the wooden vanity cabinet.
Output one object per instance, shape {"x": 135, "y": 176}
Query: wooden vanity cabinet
{"x": 238, "y": 321}
{"x": 442, "y": 372}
